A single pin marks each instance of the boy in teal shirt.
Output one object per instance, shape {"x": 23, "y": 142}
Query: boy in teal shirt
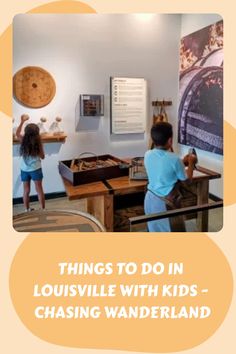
{"x": 164, "y": 170}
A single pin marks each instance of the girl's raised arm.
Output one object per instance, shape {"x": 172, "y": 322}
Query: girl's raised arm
{"x": 24, "y": 118}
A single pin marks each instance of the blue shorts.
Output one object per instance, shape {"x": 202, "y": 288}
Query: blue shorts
{"x": 36, "y": 175}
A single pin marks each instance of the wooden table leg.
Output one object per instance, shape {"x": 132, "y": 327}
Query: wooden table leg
{"x": 95, "y": 207}
{"x": 109, "y": 212}
{"x": 202, "y": 198}
{"x": 102, "y": 208}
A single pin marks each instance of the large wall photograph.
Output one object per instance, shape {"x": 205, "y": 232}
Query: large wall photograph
{"x": 201, "y": 89}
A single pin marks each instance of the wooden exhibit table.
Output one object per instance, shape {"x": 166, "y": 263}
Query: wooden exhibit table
{"x": 100, "y": 195}
{"x": 99, "y": 200}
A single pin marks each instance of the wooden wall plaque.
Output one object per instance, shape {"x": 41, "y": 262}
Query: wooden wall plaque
{"x": 33, "y": 87}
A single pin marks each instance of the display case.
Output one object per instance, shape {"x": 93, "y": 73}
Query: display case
{"x": 137, "y": 169}
{"x": 91, "y": 105}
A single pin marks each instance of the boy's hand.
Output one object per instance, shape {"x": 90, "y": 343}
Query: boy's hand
{"x": 185, "y": 160}
{"x": 24, "y": 118}
{"x": 190, "y": 159}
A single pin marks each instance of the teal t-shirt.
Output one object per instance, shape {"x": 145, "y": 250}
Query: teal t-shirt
{"x": 164, "y": 169}
{"x": 30, "y": 163}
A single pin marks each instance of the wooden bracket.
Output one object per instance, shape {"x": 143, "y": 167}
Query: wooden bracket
{"x": 161, "y": 103}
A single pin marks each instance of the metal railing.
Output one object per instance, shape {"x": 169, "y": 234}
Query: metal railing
{"x": 175, "y": 212}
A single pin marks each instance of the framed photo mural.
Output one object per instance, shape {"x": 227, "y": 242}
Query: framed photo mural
{"x": 201, "y": 89}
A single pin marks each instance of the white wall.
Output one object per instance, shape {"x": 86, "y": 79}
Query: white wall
{"x": 192, "y": 23}
{"x": 82, "y": 52}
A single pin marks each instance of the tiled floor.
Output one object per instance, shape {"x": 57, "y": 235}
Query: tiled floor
{"x": 215, "y": 216}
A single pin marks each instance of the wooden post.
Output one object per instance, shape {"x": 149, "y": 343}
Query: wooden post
{"x": 202, "y": 198}
{"x": 102, "y": 208}
{"x": 109, "y": 212}
{"x": 95, "y": 207}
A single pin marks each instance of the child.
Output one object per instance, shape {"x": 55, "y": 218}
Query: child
{"x": 32, "y": 152}
{"x": 164, "y": 170}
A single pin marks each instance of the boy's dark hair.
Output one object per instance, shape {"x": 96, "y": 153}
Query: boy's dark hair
{"x": 161, "y": 132}
{"x": 31, "y": 144}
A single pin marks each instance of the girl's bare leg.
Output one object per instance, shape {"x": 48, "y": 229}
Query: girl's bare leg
{"x": 39, "y": 189}
{"x": 26, "y": 186}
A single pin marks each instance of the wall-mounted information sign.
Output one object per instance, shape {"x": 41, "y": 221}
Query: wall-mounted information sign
{"x": 128, "y": 105}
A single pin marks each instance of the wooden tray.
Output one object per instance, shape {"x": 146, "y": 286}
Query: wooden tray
{"x": 94, "y": 175}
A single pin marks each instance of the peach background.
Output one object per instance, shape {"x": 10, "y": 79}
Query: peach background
{"x": 16, "y": 337}
{"x": 143, "y": 335}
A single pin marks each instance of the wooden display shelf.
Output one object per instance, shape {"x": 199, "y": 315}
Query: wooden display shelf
{"x": 49, "y": 138}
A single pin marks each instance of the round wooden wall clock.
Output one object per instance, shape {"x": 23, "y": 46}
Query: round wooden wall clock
{"x": 33, "y": 87}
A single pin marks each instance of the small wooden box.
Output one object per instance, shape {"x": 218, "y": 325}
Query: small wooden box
{"x": 96, "y": 174}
